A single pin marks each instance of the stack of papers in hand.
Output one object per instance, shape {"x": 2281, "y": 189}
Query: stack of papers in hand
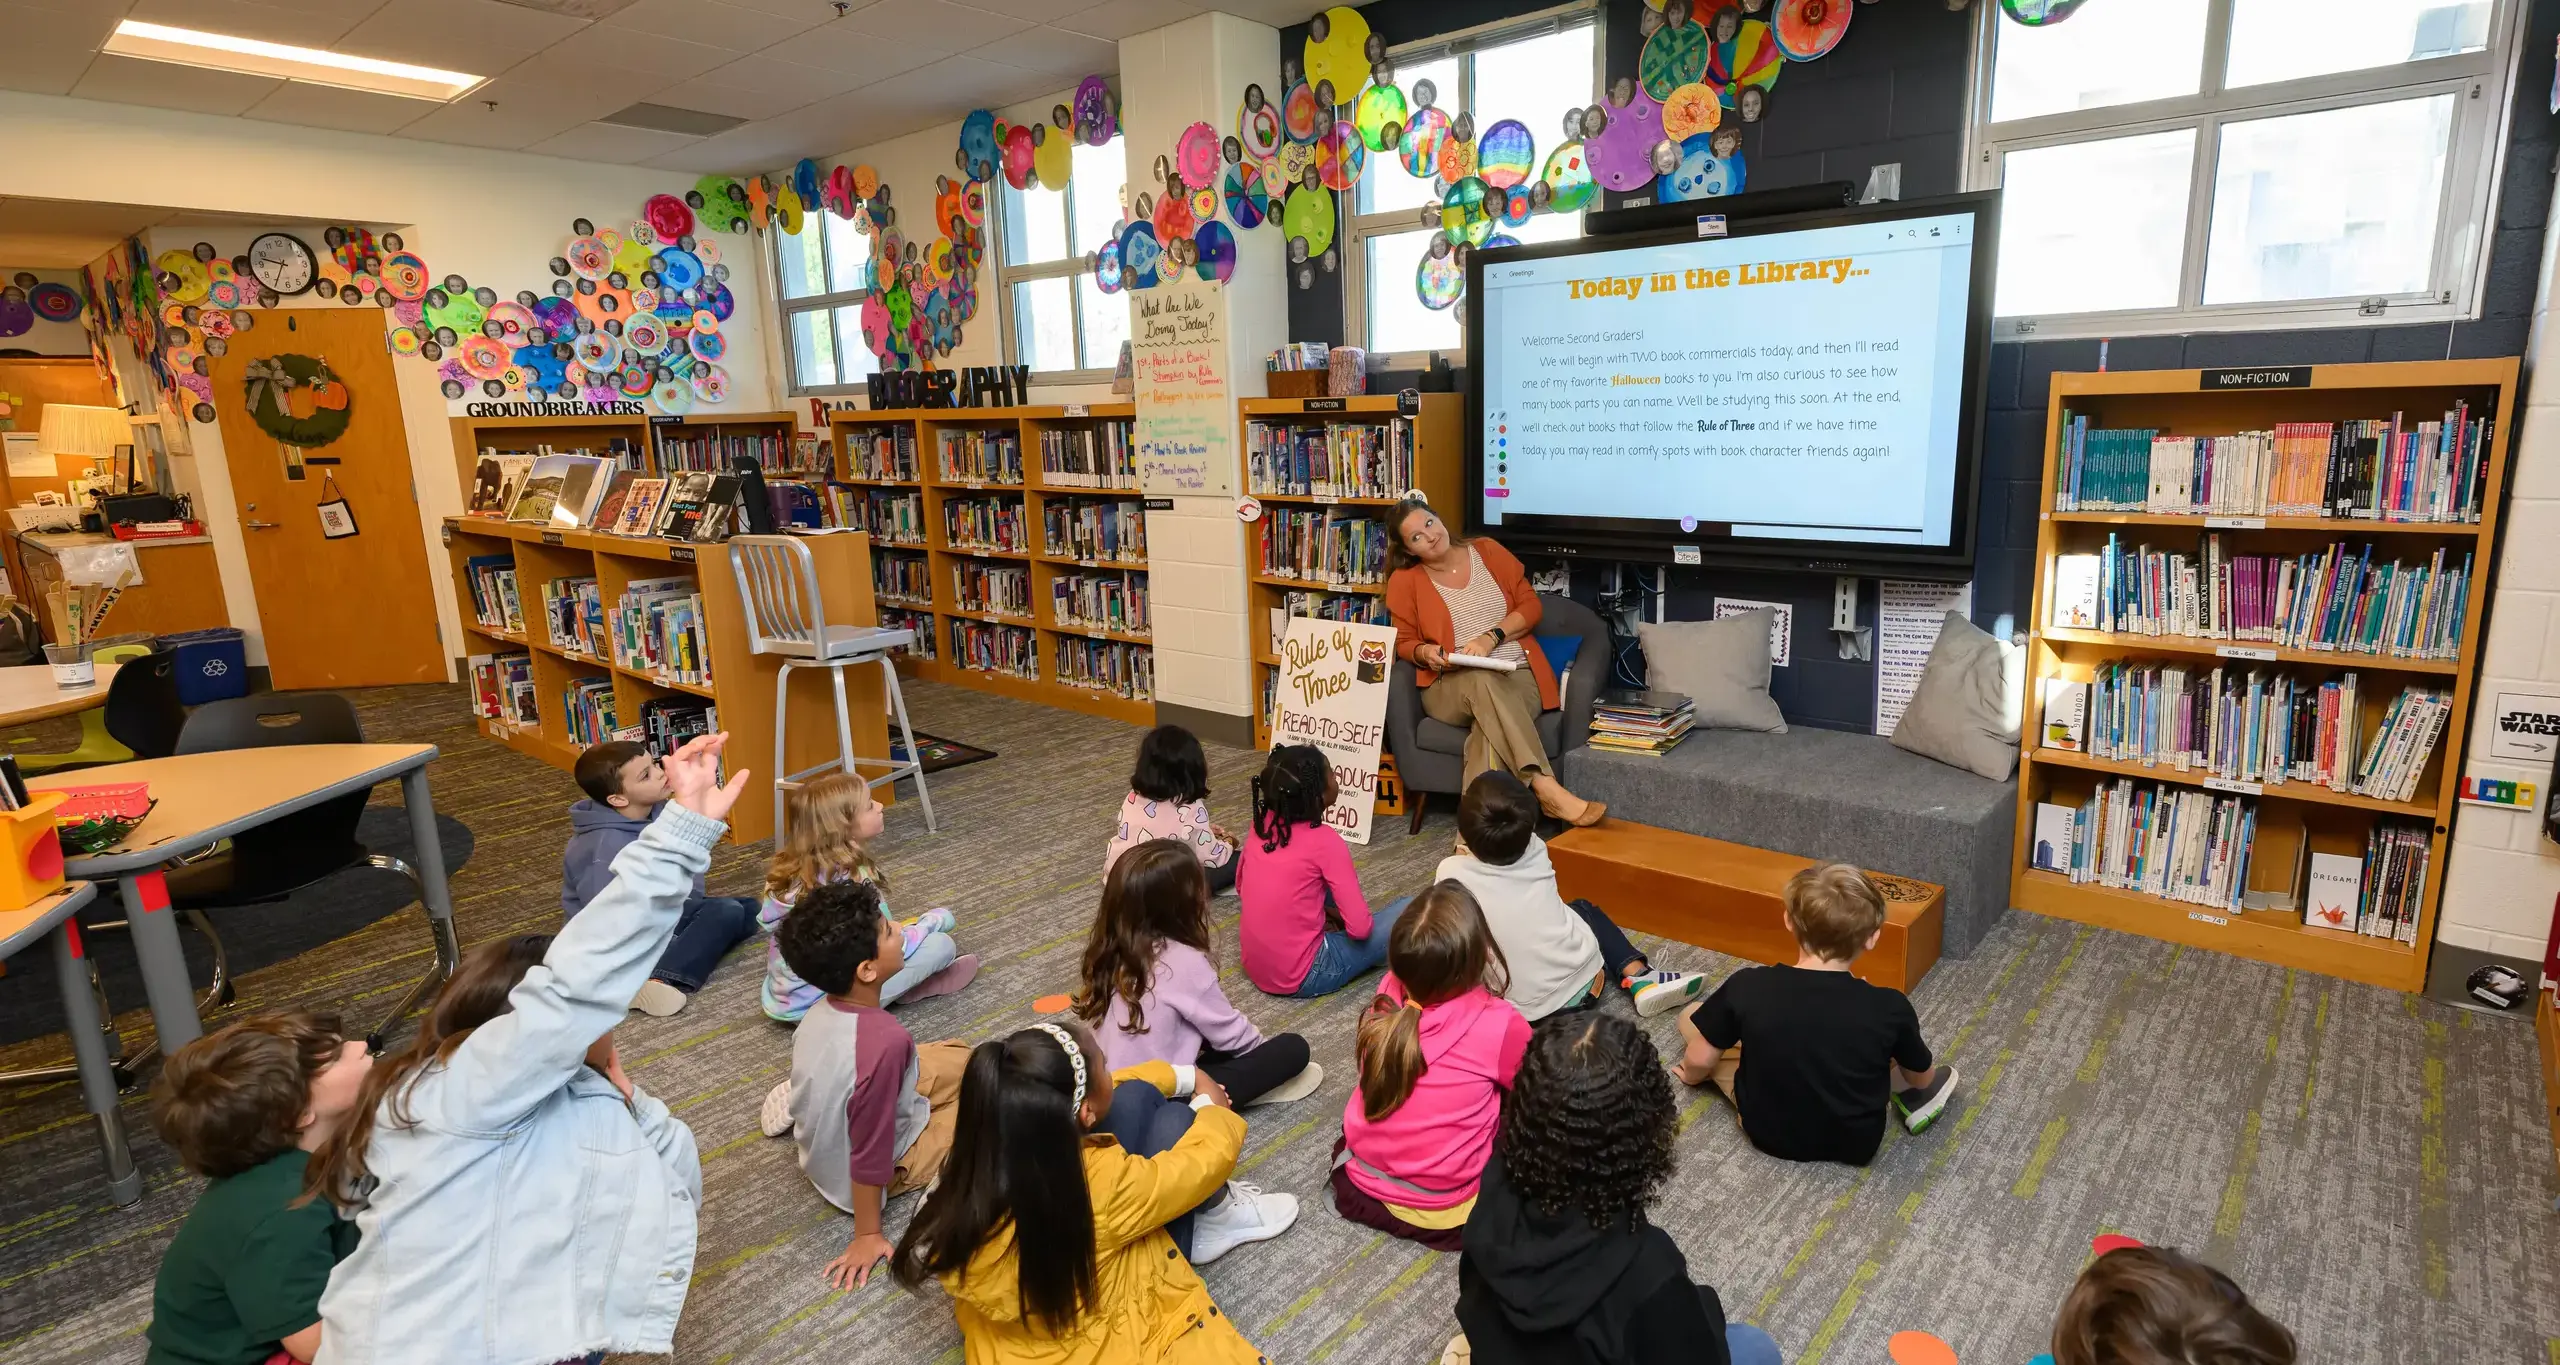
{"x": 1631, "y": 722}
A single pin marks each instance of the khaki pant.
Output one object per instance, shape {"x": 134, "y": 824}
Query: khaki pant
{"x": 939, "y": 1067}
{"x": 1499, "y": 712}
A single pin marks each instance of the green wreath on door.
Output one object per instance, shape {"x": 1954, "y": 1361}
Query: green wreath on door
{"x": 298, "y": 400}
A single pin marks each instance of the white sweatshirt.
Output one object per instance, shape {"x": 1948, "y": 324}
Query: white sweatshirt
{"x": 1550, "y": 951}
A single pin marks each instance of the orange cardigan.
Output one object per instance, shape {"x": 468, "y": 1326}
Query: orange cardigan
{"x": 1421, "y": 616}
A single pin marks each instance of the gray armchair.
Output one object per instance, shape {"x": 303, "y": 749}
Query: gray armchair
{"x": 1431, "y": 757}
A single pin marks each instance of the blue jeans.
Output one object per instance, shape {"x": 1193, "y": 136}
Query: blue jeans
{"x": 1748, "y": 1345}
{"x": 1148, "y": 1124}
{"x": 709, "y": 927}
{"x": 930, "y": 956}
{"x": 1340, "y": 958}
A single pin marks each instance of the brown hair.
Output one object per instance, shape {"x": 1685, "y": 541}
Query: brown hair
{"x": 1833, "y": 909}
{"x": 821, "y": 846}
{"x": 1156, "y": 894}
{"x": 1439, "y": 950}
{"x": 599, "y": 769}
{"x": 1398, "y": 557}
{"x": 235, "y": 1097}
{"x": 476, "y": 993}
{"x": 2154, "y": 1306}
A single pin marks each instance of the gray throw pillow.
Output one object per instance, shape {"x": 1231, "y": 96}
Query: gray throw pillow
{"x": 1966, "y": 711}
{"x": 1723, "y": 666}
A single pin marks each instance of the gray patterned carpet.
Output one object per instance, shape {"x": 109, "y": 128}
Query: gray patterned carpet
{"x": 2373, "y": 1168}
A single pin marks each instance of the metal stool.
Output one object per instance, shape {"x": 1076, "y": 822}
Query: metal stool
{"x": 787, "y": 615}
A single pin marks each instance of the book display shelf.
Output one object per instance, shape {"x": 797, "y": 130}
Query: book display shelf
{"x": 1325, "y": 471}
{"x": 1013, "y": 542}
{"x": 2224, "y": 682}
{"x": 650, "y": 445}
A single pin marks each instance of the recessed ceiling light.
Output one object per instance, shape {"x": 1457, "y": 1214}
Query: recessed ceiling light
{"x": 223, "y": 52}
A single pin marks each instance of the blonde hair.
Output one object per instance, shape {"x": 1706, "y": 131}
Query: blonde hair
{"x": 1833, "y": 909}
{"x": 821, "y": 846}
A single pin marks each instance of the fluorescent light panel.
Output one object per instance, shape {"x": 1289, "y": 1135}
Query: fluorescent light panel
{"x": 223, "y": 52}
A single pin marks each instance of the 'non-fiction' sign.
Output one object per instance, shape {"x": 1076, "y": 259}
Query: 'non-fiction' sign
{"x": 1332, "y": 693}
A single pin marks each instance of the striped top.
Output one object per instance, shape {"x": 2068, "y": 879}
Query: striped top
{"x": 1479, "y": 607}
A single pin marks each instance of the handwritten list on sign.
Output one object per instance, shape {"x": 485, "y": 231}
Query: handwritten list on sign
{"x": 1186, "y": 426}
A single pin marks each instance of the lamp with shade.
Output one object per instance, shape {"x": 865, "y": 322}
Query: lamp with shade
{"x": 88, "y": 433}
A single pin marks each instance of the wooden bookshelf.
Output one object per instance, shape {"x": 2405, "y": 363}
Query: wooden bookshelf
{"x": 741, "y": 685}
{"x": 2546, "y": 1034}
{"x": 596, "y": 434}
{"x": 1438, "y": 437}
{"x": 938, "y": 615}
{"x": 2290, "y": 814}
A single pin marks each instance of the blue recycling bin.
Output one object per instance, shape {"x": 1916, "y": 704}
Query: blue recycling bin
{"x": 213, "y": 665}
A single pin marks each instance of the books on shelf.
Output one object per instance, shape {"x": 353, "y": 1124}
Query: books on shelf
{"x": 658, "y": 630}
{"x": 985, "y": 524}
{"x": 496, "y": 482}
{"x": 1103, "y": 455}
{"x": 975, "y": 457}
{"x": 1335, "y": 459}
{"x": 584, "y": 481}
{"x": 893, "y": 516}
{"x": 688, "y": 500}
{"x": 901, "y": 618}
{"x": 502, "y": 688}
{"x": 2051, "y": 849}
{"x": 1323, "y": 546}
{"x": 2333, "y": 897}
{"x": 2065, "y": 713}
{"x": 641, "y": 508}
{"x": 1100, "y": 601}
{"x": 881, "y": 454}
{"x": 906, "y": 577}
{"x": 2395, "y": 881}
{"x": 1627, "y": 721}
{"x": 1359, "y": 607}
{"x": 1124, "y": 670}
{"x": 999, "y": 589}
{"x": 989, "y": 648}
{"x": 617, "y": 495}
{"x": 2177, "y": 843}
{"x": 587, "y": 706}
{"x": 1299, "y": 355}
{"x": 1094, "y": 530}
{"x": 494, "y": 602}
{"x": 2263, "y": 726}
{"x": 2385, "y": 469}
{"x": 573, "y": 610}
{"x": 682, "y": 449}
{"x": 2332, "y": 600}
{"x": 667, "y": 722}
{"x": 540, "y": 491}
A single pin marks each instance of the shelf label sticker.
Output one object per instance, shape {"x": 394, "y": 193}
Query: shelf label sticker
{"x": 1326, "y": 405}
{"x": 1159, "y": 504}
{"x": 2260, "y": 653}
{"x": 1328, "y": 499}
{"x": 2225, "y": 784}
{"x": 448, "y": 534}
{"x": 1408, "y": 403}
{"x": 1077, "y": 410}
{"x": 2236, "y": 523}
{"x": 660, "y": 419}
{"x": 2256, "y": 377}
{"x": 682, "y": 554}
{"x": 1684, "y": 554}
{"x": 551, "y": 538}
{"x": 2202, "y": 918}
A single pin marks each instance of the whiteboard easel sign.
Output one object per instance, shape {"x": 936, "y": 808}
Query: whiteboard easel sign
{"x": 1333, "y": 695}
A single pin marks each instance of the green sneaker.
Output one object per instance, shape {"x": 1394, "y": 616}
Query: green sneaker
{"x": 1921, "y": 1107}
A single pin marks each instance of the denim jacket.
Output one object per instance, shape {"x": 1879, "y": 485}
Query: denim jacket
{"x": 530, "y": 1215}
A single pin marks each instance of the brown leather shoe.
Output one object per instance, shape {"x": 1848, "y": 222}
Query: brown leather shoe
{"x": 1593, "y": 812}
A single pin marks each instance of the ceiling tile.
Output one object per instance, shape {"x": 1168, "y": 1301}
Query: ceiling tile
{"x": 308, "y": 25}
{"x": 933, "y": 23}
{"x": 166, "y": 85}
{"x": 1037, "y": 11}
{"x": 757, "y": 88}
{"x": 1117, "y": 19}
{"x": 869, "y": 57}
{"x": 48, "y": 49}
{"x": 735, "y": 27}
{"x": 673, "y": 58}
{"x": 482, "y": 37}
{"x": 533, "y": 105}
{"x": 22, "y": 21}
{"x": 605, "y": 142}
{"x": 1055, "y": 52}
{"x": 1276, "y": 13}
{"x": 325, "y": 106}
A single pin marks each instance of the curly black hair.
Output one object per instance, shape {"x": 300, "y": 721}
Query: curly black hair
{"x": 830, "y": 933}
{"x": 1590, "y": 1121}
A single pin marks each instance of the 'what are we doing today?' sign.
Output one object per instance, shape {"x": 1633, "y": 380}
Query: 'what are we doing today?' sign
{"x": 1178, "y": 368}
{"x": 1333, "y": 694}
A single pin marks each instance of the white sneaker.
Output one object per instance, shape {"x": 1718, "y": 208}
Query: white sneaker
{"x": 1247, "y": 1215}
{"x": 1297, "y": 1087}
{"x": 658, "y": 1000}
{"x": 775, "y": 1117}
{"x": 1659, "y": 990}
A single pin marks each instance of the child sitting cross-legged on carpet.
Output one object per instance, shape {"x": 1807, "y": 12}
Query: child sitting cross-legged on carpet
{"x": 1169, "y": 799}
{"x": 1151, "y": 988}
{"x": 1304, "y": 928}
{"x": 1826, "y": 1051}
{"x": 1050, "y": 1238}
{"x": 870, "y": 1111}
{"x": 833, "y": 819}
{"x": 1438, "y": 1047}
{"x": 2141, "y": 1305}
{"x": 626, "y": 787}
{"x": 1561, "y": 1266}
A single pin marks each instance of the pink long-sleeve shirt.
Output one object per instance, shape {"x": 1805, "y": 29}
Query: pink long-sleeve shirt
{"x": 1283, "y": 891}
{"x": 1430, "y": 1152}
{"x": 1182, "y": 1011}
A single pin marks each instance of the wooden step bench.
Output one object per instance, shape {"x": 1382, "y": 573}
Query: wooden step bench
{"x": 1731, "y": 897}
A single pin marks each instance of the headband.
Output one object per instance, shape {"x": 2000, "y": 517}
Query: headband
{"x": 1075, "y": 1058}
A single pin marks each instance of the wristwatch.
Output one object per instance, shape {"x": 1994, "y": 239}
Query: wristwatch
{"x": 1501, "y": 637}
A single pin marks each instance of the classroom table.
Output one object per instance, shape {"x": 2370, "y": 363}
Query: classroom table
{"x": 52, "y": 918}
{"x": 29, "y": 694}
{"x": 203, "y": 798}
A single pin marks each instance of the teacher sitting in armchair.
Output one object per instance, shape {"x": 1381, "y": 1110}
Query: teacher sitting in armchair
{"x": 1467, "y": 599}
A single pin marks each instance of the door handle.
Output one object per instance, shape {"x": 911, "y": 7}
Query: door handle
{"x": 261, "y": 525}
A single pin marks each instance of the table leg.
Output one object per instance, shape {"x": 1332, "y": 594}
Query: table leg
{"x": 165, "y": 987}
{"x": 89, "y": 1051}
{"x": 432, "y": 894}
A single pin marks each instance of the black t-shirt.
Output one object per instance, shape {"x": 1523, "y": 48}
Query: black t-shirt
{"x": 1817, "y": 1049}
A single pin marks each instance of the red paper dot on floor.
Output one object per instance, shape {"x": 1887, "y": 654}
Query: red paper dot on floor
{"x": 1053, "y": 1004}
{"x": 1919, "y": 1348}
{"x": 2101, "y": 1245}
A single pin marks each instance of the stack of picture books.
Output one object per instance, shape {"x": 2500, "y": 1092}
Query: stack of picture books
{"x": 974, "y": 457}
{"x": 1124, "y": 670}
{"x": 1347, "y": 460}
{"x": 2378, "y": 469}
{"x": 1085, "y": 530}
{"x": 502, "y": 689}
{"x": 881, "y": 454}
{"x": 587, "y": 703}
{"x": 2335, "y": 599}
{"x": 1323, "y": 546}
{"x": 1639, "y": 722}
{"x": 1103, "y": 455}
{"x": 2378, "y": 895}
{"x": 2174, "y": 842}
{"x": 658, "y": 630}
{"x": 1101, "y": 601}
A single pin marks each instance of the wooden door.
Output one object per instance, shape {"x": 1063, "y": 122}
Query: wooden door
{"x": 351, "y": 612}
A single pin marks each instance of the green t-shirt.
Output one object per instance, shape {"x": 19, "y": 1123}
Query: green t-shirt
{"x": 247, "y": 1269}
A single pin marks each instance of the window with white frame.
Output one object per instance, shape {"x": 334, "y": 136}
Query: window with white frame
{"x": 1533, "y": 73}
{"x": 2220, "y": 165}
{"x": 1057, "y": 319}
{"x": 822, "y": 274}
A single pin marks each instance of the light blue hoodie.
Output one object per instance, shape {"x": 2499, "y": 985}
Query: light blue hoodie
{"x": 530, "y": 1215}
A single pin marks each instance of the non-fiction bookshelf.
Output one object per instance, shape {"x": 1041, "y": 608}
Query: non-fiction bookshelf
{"x": 2258, "y": 616}
{"x": 1013, "y": 542}
{"x": 576, "y": 635}
{"x": 1325, "y": 471}
{"x": 648, "y": 445}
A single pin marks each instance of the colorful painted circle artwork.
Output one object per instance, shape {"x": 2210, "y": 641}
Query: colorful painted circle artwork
{"x": 668, "y": 216}
{"x": 589, "y": 258}
{"x": 1457, "y": 159}
{"x": 1676, "y": 55}
{"x": 646, "y": 300}
{"x": 1173, "y": 219}
{"x": 839, "y": 191}
{"x": 1439, "y": 280}
{"x": 804, "y": 180}
{"x": 866, "y": 181}
{"x": 632, "y": 257}
{"x": 513, "y": 319}
{"x": 1298, "y": 113}
{"x": 1195, "y": 155}
{"x": 1308, "y": 216}
{"x": 1217, "y": 252}
{"x": 679, "y": 269}
{"x": 710, "y": 383}
{"x": 703, "y": 324}
{"x": 1622, "y": 156}
{"x": 1516, "y": 208}
{"x": 674, "y": 397}
{"x": 1258, "y": 130}
{"x": 605, "y": 305}
{"x": 557, "y": 316}
{"x": 1106, "y": 267}
{"x": 1690, "y": 110}
{"x": 1097, "y": 116}
{"x": 406, "y": 341}
{"x": 404, "y": 275}
{"x": 461, "y": 312}
{"x": 483, "y": 356}
{"x": 1466, "y": 214}
{"x": 1505, "y": 154}
{"x": 1204, "y": 204}
{"x": 1140, "y": 255}
{"x": 540, "y": 370}
{"x": 717, "y": 298}
{"x": 183, "y": 277}
{"x": 220, "y": 294}
{"x": 645, "y": 334}
{"x": 1807, "y": 29}
{"x": 1248, "y": 203}
{"x": 978, "y": 145}
{"x": 1293, "y": 162}
{"x": 1568, "y": 176}
{"x": 1018, "y": 153}
{"x": 711, "y": 346}
{"x": 1341, "y": 55}
{"x": 1751, "y": 57}
{"x": 1053, "y": 161}
{"x": 57, "y": 302}
{"x": 1701, "y": 174}
{"x": 1379, "y": 108}
{"x": 724, "y": 202}
{"x": 1419, "y": 148}
{"x": 1341, "y": 157}
{"x": 2038, "y": 13}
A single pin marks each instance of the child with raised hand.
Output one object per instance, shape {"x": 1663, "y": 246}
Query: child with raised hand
{"x": 1560, "y": 1265}
{"x": 1169, "y": 799}
{"x": 1305, "y": 928}
{"x": 1151, "y": 987}
{"x": 2143, "y": 1305}
{"x": 833, "y": 822}
{"x": 244, "y": 1107}
{"x": 518, "y": 1198}
{"x": 1050, "y": 1240}
{"x": 1438, "y": 1047}
{"x": 626, "y": 787}
{"x": 869, "y": 1110}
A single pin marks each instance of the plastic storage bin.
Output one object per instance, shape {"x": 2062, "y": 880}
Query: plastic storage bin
{"x": 212, "y": 664}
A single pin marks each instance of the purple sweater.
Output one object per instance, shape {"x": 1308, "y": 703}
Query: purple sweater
{"x": 1182, "y": 1010}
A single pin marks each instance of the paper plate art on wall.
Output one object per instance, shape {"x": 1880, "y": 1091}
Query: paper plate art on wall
{"x": 2037, "y": 13}
{"x": 54, "y": 302}
{"x": 1676, "y": 55}
{"x": 1807, "y": 29}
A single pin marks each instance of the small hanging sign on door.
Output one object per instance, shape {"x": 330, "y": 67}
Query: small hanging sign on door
{"x": 337, "y": 520}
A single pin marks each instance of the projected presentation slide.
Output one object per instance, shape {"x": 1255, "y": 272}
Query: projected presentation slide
{"x": 1789, "y": 386}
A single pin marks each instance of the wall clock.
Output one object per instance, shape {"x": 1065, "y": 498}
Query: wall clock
{"x": 283, "y": 262}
